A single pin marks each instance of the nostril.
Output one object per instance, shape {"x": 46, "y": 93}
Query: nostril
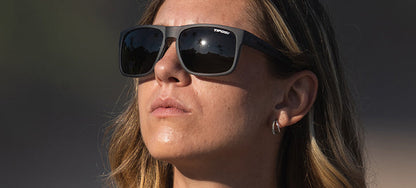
{"x": 173, "y": 79}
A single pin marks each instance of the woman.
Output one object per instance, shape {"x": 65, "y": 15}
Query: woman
{"x": 208, "y": 112}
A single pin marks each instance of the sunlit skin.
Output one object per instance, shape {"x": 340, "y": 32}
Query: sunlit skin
{"x": 216, "y": 131}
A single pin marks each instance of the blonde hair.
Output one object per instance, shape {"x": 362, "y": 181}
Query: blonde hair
{"x": 324, "y": 149}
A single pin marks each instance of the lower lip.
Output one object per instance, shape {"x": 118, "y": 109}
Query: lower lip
{"x": 166, "y": 112}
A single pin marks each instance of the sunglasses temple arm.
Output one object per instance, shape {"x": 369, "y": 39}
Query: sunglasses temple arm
{"x": 261, "y": 45}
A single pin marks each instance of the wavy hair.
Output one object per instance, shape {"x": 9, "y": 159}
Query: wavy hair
{"x": 324, "y": 149}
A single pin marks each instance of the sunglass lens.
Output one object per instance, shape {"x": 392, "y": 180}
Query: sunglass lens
{"x": 207, "y": 49}
{"x": 139, "y": 50}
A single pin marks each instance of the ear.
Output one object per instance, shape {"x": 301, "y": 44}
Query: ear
{"x": 299, "y": 96}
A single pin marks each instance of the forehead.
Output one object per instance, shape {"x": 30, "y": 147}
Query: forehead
{"x": 224, "y": 12}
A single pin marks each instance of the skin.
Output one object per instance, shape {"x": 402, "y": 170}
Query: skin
{"x": 223, "y": 138}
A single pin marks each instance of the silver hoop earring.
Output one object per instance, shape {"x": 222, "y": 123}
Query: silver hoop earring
{"x": 274, "y": 125}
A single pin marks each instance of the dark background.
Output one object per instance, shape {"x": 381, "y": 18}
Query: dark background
{"x": 60, "y": 86}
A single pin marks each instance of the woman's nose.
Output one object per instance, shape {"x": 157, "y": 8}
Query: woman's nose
{"x": 168, "y": 70}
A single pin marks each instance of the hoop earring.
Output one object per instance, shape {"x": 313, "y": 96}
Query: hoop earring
{"x": 274, "y": 125}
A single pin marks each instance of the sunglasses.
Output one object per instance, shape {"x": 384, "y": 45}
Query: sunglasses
{"x": 202, "y": 49}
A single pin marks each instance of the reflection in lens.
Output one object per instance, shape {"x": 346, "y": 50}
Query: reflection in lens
{"x": 205, "y": 50}
{"x": 203, "y": 42}
{"x": 139, "y": 50}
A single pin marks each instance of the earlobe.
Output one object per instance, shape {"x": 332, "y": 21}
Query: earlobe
{"x": 299, "y": 97}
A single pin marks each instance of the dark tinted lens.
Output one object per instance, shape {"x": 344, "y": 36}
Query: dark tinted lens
{"x": 139, "y": 50}
{"x": 207, "y": 49}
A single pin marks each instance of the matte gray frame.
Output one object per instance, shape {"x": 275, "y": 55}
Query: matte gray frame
{"x": 242, "y": 37}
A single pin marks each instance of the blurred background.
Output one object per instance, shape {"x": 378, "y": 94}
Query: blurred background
{"x": 60, "y": 86}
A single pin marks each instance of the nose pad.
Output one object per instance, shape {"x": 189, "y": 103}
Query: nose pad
{"x": 168, "y": 43}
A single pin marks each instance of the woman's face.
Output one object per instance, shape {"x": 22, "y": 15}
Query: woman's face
{"x": 185, "y": 117}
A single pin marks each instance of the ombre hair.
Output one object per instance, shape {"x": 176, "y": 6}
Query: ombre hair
{"x": 324, "y": 149}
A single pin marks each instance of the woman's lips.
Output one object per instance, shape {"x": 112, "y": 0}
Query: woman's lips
{"x": 168, "y": 107}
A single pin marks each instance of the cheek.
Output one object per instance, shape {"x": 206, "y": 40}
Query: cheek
{"x": 240, "y": 112}
{"x": 144, "y": 96}
{"x": 227, "y": 112}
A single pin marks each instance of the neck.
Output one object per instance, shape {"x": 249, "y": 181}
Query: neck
{"x": 258, "y": 169}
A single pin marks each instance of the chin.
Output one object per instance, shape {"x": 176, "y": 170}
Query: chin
{"x": 166, "y": 146}
{"x": 172, "y": 154}
{"x": 181, "y": 144}
{"x": 178, "y": 151}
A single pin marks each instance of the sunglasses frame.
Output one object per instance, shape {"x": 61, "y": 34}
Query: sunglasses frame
{"x": 241, "y": 36}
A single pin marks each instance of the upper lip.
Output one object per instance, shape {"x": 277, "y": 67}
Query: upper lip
{"x": 168, "y": 103}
